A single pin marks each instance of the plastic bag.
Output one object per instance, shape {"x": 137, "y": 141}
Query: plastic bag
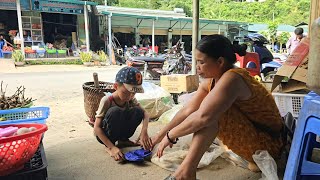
{"x": 155, "y": 100}
{"x": 266, "y": 164}
{"x": 232, "y": 157}
{"x": 168, "y": 115}
{"x": 173, "y": 157}
{"x": 185, "y": 98}
{"x": 210, "y": 155}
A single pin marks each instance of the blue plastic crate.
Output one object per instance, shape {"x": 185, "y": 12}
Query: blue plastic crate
{"x": 24, "y": 115}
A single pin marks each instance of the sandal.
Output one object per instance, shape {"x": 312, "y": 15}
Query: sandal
{"x": 130, "y": 156}
{"x": 170, "y": 177}
{"x": 142, "y": 153}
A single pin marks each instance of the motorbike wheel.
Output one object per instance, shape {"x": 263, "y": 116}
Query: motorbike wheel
{"x": 267, "y": 70}
{"x": 270, "y": 76}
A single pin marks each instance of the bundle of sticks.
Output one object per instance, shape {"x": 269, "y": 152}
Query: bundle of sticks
{"x": 17, "y": 100}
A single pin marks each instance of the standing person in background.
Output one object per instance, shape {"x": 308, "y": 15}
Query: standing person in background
{"x": 295, "y": 40}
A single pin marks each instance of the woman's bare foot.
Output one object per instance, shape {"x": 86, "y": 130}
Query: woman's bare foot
{"x": 127, "y": 143}
{"x": 253, "y": 167}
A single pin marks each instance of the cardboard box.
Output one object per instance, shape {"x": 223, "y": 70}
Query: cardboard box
{"x": 268, "y": 86}
{"x": 178, "y": 83}
{"x": 295, "y": 68}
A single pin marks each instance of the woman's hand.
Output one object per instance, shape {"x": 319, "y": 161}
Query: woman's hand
{"x": 116, "y": 154}
{"x": 163, "y": 144}
{"x": 145, "y": 141}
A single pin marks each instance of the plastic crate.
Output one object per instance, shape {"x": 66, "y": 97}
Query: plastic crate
{"x": 24, "y": 115}
{"x": 61, "y": 55}
{"x": 35, "y": 169}
{"x": 52, "y": 55}
{"x": 31, "y": 55}
{"x": 289, "y": 103}
{"x": 7, "y": 54}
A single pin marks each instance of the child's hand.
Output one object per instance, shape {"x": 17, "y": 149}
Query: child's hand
{"x": 116, "y": 154}
{"x": 145, "y": 141}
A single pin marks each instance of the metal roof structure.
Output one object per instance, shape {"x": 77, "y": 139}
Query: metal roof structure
{"x": 281, "y": 28}
{"x": 76, "y": 2}
{"x": 143, "y": 18}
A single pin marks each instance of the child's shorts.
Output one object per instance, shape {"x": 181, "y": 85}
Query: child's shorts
{"x": 119, "y": 124}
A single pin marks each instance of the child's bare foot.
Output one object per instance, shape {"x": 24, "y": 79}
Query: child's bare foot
{"x": 253, "y": 167}
{"x": 126, "y": 143}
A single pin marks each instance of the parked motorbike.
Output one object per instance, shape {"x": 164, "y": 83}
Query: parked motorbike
{"x": 268, "y": 63}
{"x": 151, "y": 67}
{"x": 178, "y": 61}
{"x": 175, "y": 61}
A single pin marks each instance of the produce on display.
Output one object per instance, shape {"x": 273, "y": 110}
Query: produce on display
{"x": 7, "y": 48}
{"x": 15, "y": 131}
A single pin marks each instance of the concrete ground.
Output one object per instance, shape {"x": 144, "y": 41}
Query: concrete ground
{"x": 71, "y": 149}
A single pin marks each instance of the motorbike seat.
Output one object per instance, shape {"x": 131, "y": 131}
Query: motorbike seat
{"x": 148, "y": 59}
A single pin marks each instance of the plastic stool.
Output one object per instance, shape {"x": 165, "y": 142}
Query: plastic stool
{"x": 249, "y": 59}
{"x": 299, "y": 165}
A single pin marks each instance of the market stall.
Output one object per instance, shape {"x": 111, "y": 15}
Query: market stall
{"x": 53, "y": 29}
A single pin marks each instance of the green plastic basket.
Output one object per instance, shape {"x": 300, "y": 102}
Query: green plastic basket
{"x": 62, "y": 51}
{"x": 51, "y": 51}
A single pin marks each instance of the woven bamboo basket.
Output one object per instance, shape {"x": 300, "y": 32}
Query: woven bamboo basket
{"x": 92, "y": 96}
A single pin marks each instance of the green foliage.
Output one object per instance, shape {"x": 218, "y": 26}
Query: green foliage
{"x": 284, "y": 11}
{"x": 265, "y": 34}
{"x": 283, "y": 37}
{"x": 52, "y": 62}
{"x": 86, "y": 56}
{"x": 272, "y": 32}
{"x": 17, "y": 56}
{"x": 102, "y": 56}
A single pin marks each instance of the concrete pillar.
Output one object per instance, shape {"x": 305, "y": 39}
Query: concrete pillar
{"x": 170, "y": 38}
{"x": 86, "y": 24}
{"x": 199, "y": 34}
{"x": 20, "y": 26}
{"x": 110, "y": 37}
{"x": 153, "y": 38}
{"x": 136, "y": 36}
{"x": 195, "y": 30}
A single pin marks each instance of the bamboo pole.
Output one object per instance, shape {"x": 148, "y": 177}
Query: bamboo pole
{"x": 313, "y": 81}
{"x": 314, "y": 12}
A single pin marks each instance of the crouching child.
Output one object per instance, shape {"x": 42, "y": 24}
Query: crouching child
{"x": 120, "y": 114}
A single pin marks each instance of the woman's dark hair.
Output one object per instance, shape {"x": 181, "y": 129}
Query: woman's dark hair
{"x": 216, "y": 46}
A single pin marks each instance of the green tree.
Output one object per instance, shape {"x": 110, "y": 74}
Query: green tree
{"x": 283, "y": 38}
{"x": 265, "y": 34}
{"x": 272, "y": 33}
{"x": 281, "y": 11}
